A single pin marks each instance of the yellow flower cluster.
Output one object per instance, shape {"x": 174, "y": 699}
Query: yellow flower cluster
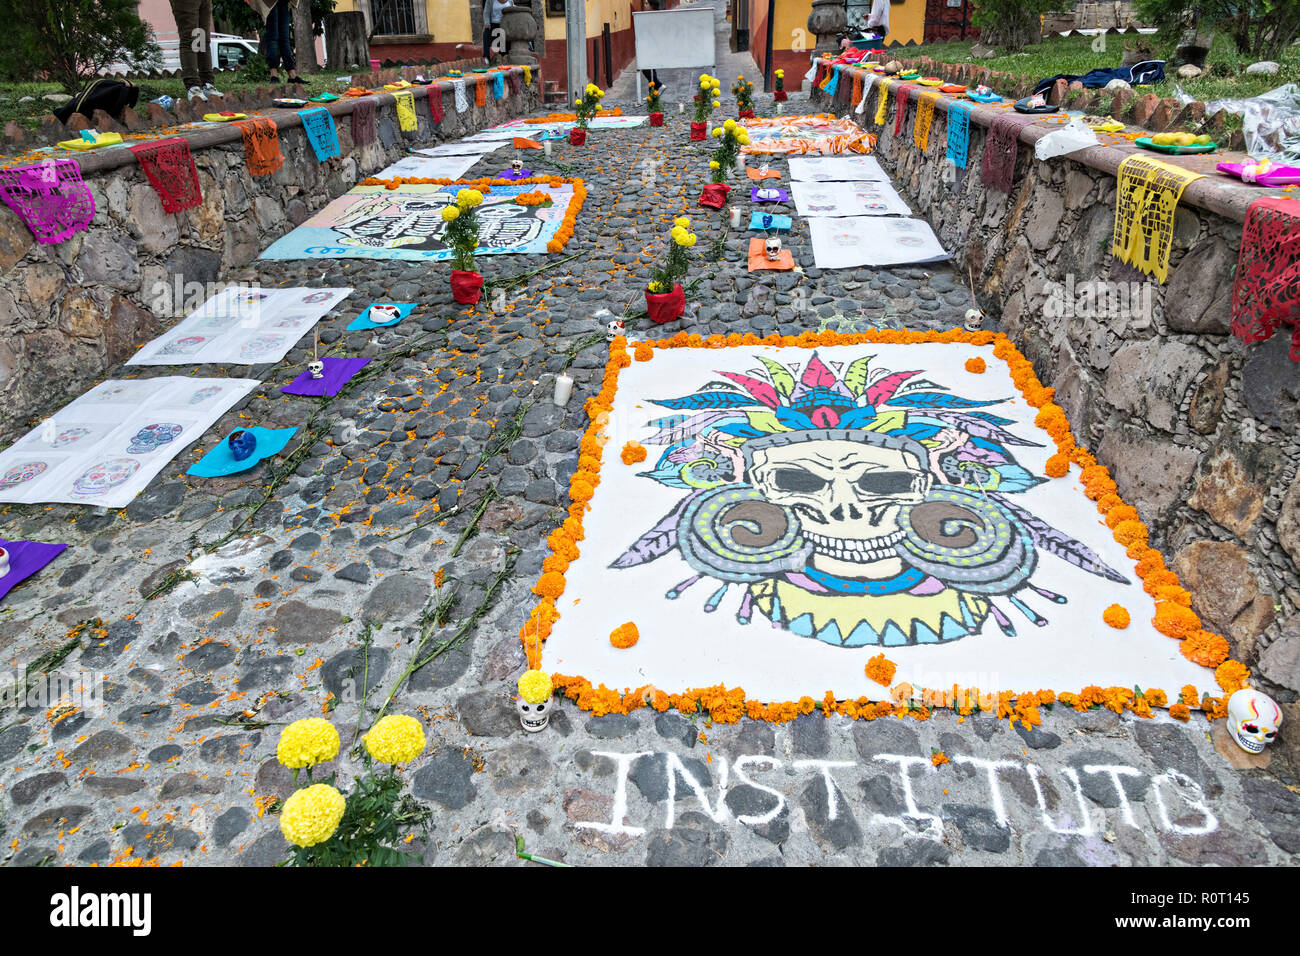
{"x": 681, "y": 234}
{"x": 780, "y": 73}
{"x": 305, "y": 743}
{"x": 535, "y": 686}
{"x": 711, "y": 86}
{"x": 312, "y": 815}
{"x": 595, "y": 91}
{"x": 396, "y": 738}
{"x": 468, "y": 198}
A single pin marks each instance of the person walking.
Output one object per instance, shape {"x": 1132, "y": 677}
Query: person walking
{"x": 492, "y": 11}
{"x": 194, "y": 33}
{"x": 652, "y": 76}
{"x": 277, "y": 39}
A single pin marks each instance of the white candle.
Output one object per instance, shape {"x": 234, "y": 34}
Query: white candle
{"x": 546, "y": 145}
{"x": 735, "y": 217}
{"x": 681, "y": 107}
{"x": 563, "y": 389}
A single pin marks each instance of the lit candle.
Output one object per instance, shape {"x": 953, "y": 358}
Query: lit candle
{"x": 546, "y": 145}
{"x": 735, "y": 217}
{"x": 563, "y": 389}
{"x": 681, "y": 107}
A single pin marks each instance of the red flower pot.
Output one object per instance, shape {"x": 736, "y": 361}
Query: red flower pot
{"x": 715, "y": 195}
{"x": 666, "y": 306}
{"x": 577, "y": 136}
{"x": 746, "y": 114}
{"x": 697, "y": 130}
{"x": 656, "y": 119}
{"x": 780, "y": 96}
{"x": 466, "y": 287}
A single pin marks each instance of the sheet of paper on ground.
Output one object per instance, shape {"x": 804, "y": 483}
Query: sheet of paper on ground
{"x": 430, "y": 167}
{"x": 241, "y": 326}
{"x": 843, "y": 169}
{"x": 106, "y": 446}
{"x": 798, "y": 493}
{"x": 849, "y": 242}
{"x": 866, "y": 198}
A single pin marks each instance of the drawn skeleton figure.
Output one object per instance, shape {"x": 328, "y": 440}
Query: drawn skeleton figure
{"x": 382, "y": 222}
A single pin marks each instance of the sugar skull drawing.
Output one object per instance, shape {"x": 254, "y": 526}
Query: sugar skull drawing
{"x": 855, "y": 505}
{"x": 152, "y": 437}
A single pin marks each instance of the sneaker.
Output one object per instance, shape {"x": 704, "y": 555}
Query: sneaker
{"x": 273, "y": 79}
{"x": 210, "y": 90}
{"x": 195, "y": 93}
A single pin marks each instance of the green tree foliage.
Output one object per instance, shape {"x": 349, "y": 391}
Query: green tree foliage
{"x": 1011, "y": 25}
{"x": 1259, "y": 28}
{"x": 69, "y": 41}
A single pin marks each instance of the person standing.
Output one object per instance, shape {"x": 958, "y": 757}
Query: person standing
{"x": 652, "y": 76}
{"x": 492, "y": 12}
{"x": 277, "y": 39}
{"x": 194, "y": 33}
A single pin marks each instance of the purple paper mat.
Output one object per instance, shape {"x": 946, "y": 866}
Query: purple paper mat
{"x": 337, "y": 373}
{"x": 25, "y": 559}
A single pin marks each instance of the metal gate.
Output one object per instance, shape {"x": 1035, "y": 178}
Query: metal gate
{"x": 948, "y": 20}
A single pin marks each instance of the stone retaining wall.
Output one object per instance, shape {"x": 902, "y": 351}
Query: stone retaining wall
{"x": 1198, "y": 430}
{"x": 70, "y": 311}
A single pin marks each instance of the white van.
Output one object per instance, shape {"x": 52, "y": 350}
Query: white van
{"x": 229, "y": 52}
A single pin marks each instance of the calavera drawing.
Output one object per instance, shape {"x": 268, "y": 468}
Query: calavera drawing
{"x": 853, "y": 504}
{"x": 104, "y": 476}
{"x": 22, "y": 473}
{"x": 152, "y": 437}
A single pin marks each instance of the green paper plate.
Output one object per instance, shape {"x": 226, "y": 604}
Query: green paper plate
{"x": 1145, "y": 141}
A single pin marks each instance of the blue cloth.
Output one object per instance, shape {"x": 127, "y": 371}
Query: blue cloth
{"x": 770, "y": 222}
{"x": 958, "y": 132}
{"x": 219, "y": 461}
{"x": 362, "y": 321}
{"x": 498, "y": 85}
{"x": 321, "y": 132}
{"x": 1139, "y": 74}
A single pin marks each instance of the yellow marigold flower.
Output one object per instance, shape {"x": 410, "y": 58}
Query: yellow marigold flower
{"x": 305, "y": 743}
{"x": 780, "y": 72}
{"x": 450, "y": 212}
{"x": 690, "y": 240}
{"x": 683, "y": 221}
{"x": 717, "y": 103}
{"x": 729, "y": 124}
{"x": 311, "y": 815}
{"x": 535, "y": 686}
{"x": 714, "y": 164}
{"x": 655, "y": 287}
{"x": 717, "y": 132}
{"x": 396, "y": 738}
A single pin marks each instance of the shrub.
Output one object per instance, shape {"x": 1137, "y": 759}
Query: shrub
{"x": 70, "y": 41}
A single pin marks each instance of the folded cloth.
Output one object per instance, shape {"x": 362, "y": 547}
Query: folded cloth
{"x": 511, "y": 174}
{"x": 363, "y": 321}
{"x": 758, "y": 260}
{"x": 1139, "y": 74}
{"x": 25, "y": 559}
{"x": 337, "y": 373}
{"x": 523, "y": 142}
{"x": 757, "y": 174}
{"x": 715, "y": 195}
{"x": 769, "y": 194}
{"x": 221, "y": 460}
{"x": 770, "y": 222}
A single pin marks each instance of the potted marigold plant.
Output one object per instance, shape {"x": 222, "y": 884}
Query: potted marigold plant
{"x": 780, "y": 95}
{"x": 654, "y": 105}
{"x": 744, "y": 93}
{"x": 586, "y": 107}
{"x": 461, "y": 236}
{"x": 664, "y": 298}
{"x": 731, "y": 136}
{"x": 706, "y": 101}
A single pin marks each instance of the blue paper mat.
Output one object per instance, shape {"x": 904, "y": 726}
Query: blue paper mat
{"x": 769, "y": 222}
{"x": 219, "y": 461}
{"x": 362, "y": 321}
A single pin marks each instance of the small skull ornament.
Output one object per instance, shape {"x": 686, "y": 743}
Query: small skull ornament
{"x": 517, "y": 165}
{"x": 974, "y": 319}
{"x": 772, "y": 247}
{"x": 614, "y": 329}
{"x": 1253, "y": 719}
{"x": 4, "y": 562}
{"x": 316, "y": 369}
{"x": 534, "y": 717}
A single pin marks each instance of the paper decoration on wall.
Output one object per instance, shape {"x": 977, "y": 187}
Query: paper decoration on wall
{"x": 866, "y": 198}
{"x": 261, "y": 145}
{"x": 458, "y": 89}
{"x": 406, "y": 120}
{"x": 849, "y": 242}
{"x": 366, "y": 320}
{"x": 373, "y": 222}
{"x": 480, "y": 91}
{"x": 1266, "y": 290}
{"x": 958, "y": 132}
{"x": 429, "y": 167}
{"x": 806, "y": 136}
{"x": 363, "y": 122}
{"x": 498, "y": 85}
{"x": 241, "y": 326}
{"x": 104, "y": 447}
{"x": 516, "y": 85}
{"x": 837, "y": 169}
{"x": 528, "y": 76}
{"x": 25, "y": 559}
{"x": 337, "y": 373}
{"x": 882, "y": 101}
{"x": 856, "y": 97}
{"x": 900, "y": 106}
{"x": 924, "y": 117}
{"x": 435, "y": 103}
{"x": 318, "y": 124}
{"x": 50, "y": 198}
{"x": 169, "y": 167}
{"x": 220, "y": 460}
{"x": 1001, "y": 147}
{"x": 1146, "y": 195}
{"x": 770, "y": 222}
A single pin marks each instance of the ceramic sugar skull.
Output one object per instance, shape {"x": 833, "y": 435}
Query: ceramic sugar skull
{"x": 317, "y": 369}
{"x": 974, "y": 318}
{"x": 1253, "y": 719}
{"x": 614, "y": 329}
{"x": 517, "y": 166}
{"x": 534, "y": 717}
{"x": 4, "y": 562}
{"x": 768, "y": 194}
{"x": 384, "y": 314}
{"x": 772, "y": 247}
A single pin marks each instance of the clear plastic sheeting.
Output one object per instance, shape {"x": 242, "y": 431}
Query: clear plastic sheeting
{"x": 1270, "y": 121}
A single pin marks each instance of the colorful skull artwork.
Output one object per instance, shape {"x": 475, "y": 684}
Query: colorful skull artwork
{"x": 20, "y": 474}
{"x": 186, "y": 345}
{"x": 261, "y": 346}
{"x": 104, "y": 476}
{"x": 1253, "y": 719}
{"x": 152, "y": 437}
{"x": 68, "y": 436}
{"x": 203, "y": 394}
{"x": 856, "y": 505}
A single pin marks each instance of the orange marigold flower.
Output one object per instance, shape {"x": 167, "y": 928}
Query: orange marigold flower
{"x": 1232, "y": 676}
{"x": 1206, "y": 649}
{"x": 1116, "y": 616}
{"x": 1172, "y": 592}
{"x": 976, "y": 365}
{"x": 555, "y": 562}
{"x": 633, "y": 452}
{"x": 1180, "y": 712}
{"x": 1058, "y": 466}
{"x": 1106, "y": 502}
{"x": 625, "y": 635}
{"x": 1130, "y": 532}
{"x": 1161, "y": 577}
{"x": 643, "y": 352}
{"x": 1174, "y": 620}
{"x": 1120, "y": 512}
{"x": 580, "y": 490}
{"x": 938, "y": 758}
{"x": 881, "y": 670}
{"x": 550, "y": 584}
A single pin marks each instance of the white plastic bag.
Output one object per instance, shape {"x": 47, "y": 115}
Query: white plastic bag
{"x": 1271, "y": 122}
{"x": 1074, "y": 135}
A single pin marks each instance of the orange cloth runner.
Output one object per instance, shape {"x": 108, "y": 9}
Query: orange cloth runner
{"x": 755, "y": 174}
{"x": 523, "y": 142}
{"x": 261, "y": 145}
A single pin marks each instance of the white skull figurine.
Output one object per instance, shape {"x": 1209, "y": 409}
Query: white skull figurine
{"x": 772, "y": 246}
{"x": 4, "y": 562}
{"x": 317, "y": 369}
{"x": 534, "y": 717}
{"x": 614, "y": 329}
{"x": 974, "y": 318}
{"x": 1253, "y": 719}
{"x": 517, "y": 165}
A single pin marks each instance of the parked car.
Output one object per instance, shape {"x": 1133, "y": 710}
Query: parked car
{"x": 229, "y": 52}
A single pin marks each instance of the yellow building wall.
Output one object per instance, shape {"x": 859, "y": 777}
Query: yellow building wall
{"x": 448, "y": 20}
{"x": 906, "y": 22}
{"x": 617, "y": 13}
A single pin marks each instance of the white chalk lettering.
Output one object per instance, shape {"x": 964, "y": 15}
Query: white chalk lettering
{"x": 933, "y": 825}
{"x": 1086, "y": 826}
{"x": 991, "y": 768}
{"x": 674, "y": 766}
{"x": 744, "y": 780}
{"x": 1115, "y": 771}
{"x": 832, "y": 803}
{"x": 618, "y": 812}
{"x": 1196, "y": 802}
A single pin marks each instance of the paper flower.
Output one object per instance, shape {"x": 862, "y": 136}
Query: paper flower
{"x": 396, "y": 738}
{"x": 305, "y": 743}
{"x": 311, "y": 815}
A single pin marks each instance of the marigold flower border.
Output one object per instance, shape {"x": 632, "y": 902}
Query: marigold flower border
{"x": 1173, "y": 618}
{"x": 570, "y": 221}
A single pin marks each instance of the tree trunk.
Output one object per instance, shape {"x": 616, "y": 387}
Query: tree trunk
{"x": 304, "y": 42}
{"x": 1013, "y": 31}
{"x": 345, "y": 41}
